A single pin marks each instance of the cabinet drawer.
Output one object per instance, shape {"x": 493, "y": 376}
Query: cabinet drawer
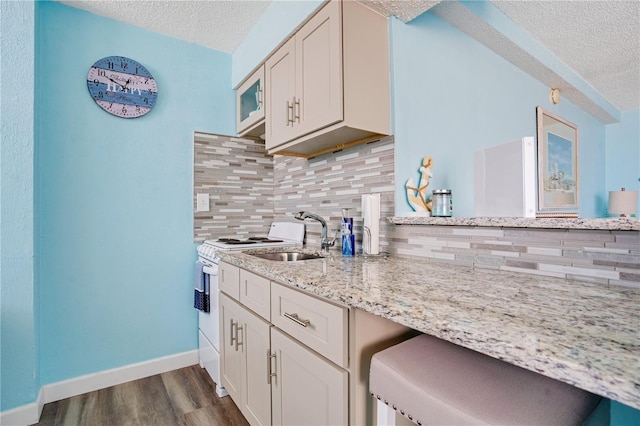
{"x": 229, "y": 280}
{"x": 320, "y": 325}
{"x": 255, "y": 293}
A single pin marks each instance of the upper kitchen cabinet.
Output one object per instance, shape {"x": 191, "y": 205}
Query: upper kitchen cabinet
{"x": 250, "y": 109}
{"x": 327, "y": 87}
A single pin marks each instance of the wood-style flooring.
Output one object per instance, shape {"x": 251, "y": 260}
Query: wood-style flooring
{"x": 184, "y": 397}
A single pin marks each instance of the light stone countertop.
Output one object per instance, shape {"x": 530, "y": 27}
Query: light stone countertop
{"x": 580, "y": 333}
{"x": 608, "y": 224}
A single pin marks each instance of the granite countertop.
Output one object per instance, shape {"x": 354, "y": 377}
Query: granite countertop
{"x": 580, "y": 333}
{"x": 608, "y": 224}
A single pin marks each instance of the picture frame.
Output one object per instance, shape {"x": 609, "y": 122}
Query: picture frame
{"x": 557, "y": 146}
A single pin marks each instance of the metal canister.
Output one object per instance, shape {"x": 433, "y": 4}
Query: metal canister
{"x": 442, "y": 203}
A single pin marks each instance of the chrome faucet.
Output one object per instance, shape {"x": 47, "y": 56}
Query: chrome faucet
{"x": 325, "y": 242}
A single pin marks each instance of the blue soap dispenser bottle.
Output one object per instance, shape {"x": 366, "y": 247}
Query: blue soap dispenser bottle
{"x": 348, "y": 237}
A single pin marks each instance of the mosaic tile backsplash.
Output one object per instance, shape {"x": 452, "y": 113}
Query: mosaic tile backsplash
{"x": 605, "y": 257}
{"x": 328, "y": 183}
{"x": 248, "y": 190}
{"x": 238, "y": 176}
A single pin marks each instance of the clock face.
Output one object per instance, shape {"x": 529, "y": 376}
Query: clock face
{"x": 122, "y": 87}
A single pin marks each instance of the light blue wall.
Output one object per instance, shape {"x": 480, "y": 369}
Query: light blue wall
{"x": 114, "y": 214}
{"x": 19, "y": 380}
{"x": 453, "y": 96}
{"x": 113, "y": 208}
{"x": 623, "y": 153}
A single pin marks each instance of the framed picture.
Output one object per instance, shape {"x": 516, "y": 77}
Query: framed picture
{"x": 557, "y": 164}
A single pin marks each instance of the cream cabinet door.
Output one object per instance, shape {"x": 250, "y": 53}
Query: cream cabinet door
{"x": 306, "y": 389}
{"x": 256, "y": 402}
{"x": 244, "y": 356}
{"x": 280, "y": 82}
{"x": 230, "y": 348}
{"x": 319, "y": 88}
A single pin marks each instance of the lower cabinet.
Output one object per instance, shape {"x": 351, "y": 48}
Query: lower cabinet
{"x": 304, "y": 362}
{"x": 244, "y": 358}
{"x": 306, "y": 389}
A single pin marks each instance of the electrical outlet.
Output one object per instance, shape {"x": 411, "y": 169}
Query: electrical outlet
{"x": 202, "y": 202}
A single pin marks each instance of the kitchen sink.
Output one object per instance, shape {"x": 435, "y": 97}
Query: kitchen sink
{"x": 287, "y": 256}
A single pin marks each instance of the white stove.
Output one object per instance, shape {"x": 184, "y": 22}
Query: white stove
{"x": 281, "y": 234}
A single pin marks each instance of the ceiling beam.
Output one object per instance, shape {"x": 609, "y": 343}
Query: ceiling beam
{"x": 491, "y": 27}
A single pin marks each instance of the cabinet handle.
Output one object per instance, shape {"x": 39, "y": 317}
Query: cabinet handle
{"x": 238, "y": 342}
{"x": 231, "y": 326}
{"x": 297, "y": 320}
{"x": 270, "y": 372}
{"x": 289, "y": 116}
{"x": 260, "y": 96}
{"x": 297, "y": 103}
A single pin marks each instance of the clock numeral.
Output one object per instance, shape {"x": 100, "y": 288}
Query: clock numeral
{"x": 124, "y": 65}
{"x": 146, "y": 101}
{"x": 101, "y": 73}
{"x": 124, "y": 110}
{"x": 110, "y": 65}
{"x": 100, "y": 95}
{"x": 138, "y": 109}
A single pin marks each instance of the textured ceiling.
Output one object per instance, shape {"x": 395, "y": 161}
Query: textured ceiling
{"x": 405, "y": 10}
{"x": 218, "y": 24}
{"x": 599, "y": 40}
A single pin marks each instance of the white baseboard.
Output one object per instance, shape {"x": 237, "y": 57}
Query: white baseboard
{"x": 30, "y": 413}
{"x": 27, "y": 414}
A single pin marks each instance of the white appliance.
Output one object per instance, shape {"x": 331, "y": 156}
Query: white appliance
{"x": 281, "y": 234}
{"x": 505, "y": 179}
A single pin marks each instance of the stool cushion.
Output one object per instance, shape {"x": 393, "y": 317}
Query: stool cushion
{"x": 437, "y": 382}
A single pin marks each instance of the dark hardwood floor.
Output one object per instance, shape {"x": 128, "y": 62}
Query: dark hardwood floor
{"x": 184, "y": 397}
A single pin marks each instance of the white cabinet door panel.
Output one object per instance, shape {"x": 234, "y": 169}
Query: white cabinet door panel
{"x": 307, "y": 389}
{"x": 280, "y": 75}
{"x": 257, "y": 395}
{"x": 230, "y": 355}
{"x": 319, "y": 71}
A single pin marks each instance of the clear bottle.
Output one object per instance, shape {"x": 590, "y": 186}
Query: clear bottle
{"x": 442, "y": 203}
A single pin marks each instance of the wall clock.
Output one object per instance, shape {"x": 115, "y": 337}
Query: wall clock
{"x": 122, "y": 86}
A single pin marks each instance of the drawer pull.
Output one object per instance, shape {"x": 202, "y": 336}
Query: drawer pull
{"x": 294, "y": 318}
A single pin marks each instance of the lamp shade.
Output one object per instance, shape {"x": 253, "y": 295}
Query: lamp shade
{"x": 623, "y": 202}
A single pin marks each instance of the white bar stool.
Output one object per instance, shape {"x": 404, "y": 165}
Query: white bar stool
{"x": 434, "y": 382}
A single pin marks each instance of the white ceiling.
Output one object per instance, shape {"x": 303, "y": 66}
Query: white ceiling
{"x": 218, "y": 24}
{"x": 599, "y": 40}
